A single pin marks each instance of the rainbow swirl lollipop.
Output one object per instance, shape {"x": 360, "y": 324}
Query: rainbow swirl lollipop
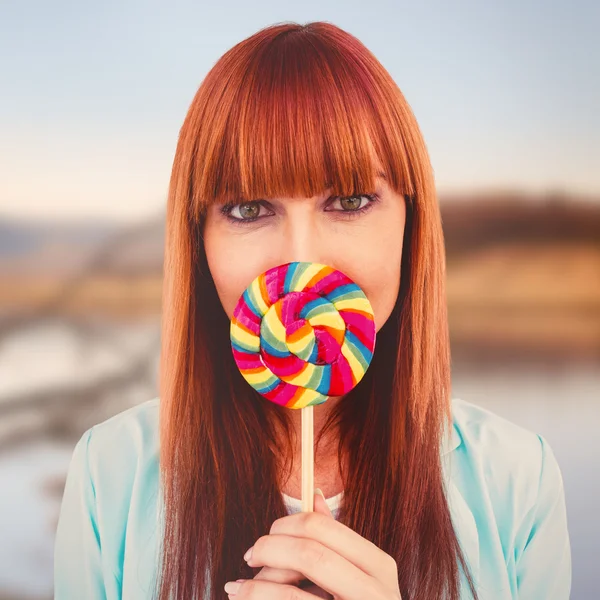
{"x": 302, "y": 332}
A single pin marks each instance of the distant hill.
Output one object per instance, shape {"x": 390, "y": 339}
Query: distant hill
{"x": 18, "y": 236}
{"x": 483, "y": 220}
{"x": 63, "y": 249}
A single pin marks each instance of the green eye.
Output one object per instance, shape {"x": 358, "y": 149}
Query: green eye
{"x": 249, "y": 210}
{"x": 351, "y": 202}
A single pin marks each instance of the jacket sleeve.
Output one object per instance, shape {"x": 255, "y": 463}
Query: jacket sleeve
{"x": 77, "y": 548}
{"x": 543, "y": 550}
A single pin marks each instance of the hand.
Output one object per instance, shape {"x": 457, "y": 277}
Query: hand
{"x": 290, "y": 576}
{"x": 314, "y": 546}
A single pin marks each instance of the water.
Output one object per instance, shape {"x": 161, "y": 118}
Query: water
{"x": 27, "y": 518}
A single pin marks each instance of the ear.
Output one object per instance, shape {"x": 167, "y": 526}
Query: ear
{"x": 320, "y": 505}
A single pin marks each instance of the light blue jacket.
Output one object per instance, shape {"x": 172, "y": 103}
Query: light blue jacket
{"x": 503, "y": 484}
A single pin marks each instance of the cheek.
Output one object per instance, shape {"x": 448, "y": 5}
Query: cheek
{"x": 230, "y": 269}
{"x": 377, "y": 272}
{"x": 224, "y": 283}
{"x": 386, "y": 293}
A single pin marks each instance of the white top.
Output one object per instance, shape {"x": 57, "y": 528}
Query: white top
{"x": 295, "y": 504}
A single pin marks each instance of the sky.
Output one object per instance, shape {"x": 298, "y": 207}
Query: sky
{"x": 93, "y": 94}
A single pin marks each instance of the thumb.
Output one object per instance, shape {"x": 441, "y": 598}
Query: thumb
{"x": 320, "y": 505}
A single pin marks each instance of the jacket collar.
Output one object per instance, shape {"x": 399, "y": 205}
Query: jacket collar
{"x": 450, "y": 439}
{"x": 462, "y": 516}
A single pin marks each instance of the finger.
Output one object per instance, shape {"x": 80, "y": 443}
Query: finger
{"x": 252, "y": 589}
{"x": 318, "y": 563}
{"x": 321, "y": 506}
{"x": 292, "y": 578}
{"x": 289, "y": 575}
{"x": 340, "y": 539}
{"x": 315, "y": 590}
{"x": 279, "y": 575}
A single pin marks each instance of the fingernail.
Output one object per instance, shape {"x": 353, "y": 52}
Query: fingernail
{"x": 318, "y": 491}
{"x": 232, "y": 587}
{"x": 248, "y": 554}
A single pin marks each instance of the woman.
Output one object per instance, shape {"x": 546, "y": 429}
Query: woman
{"x": 299, "y": 146}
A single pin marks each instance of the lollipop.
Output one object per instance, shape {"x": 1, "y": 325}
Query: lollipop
{"x": 302, "y": 332}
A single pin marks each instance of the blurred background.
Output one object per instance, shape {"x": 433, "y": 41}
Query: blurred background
{"x": 93, "y": 96}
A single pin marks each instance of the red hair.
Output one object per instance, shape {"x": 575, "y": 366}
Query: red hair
{"x": 291, "y": 111}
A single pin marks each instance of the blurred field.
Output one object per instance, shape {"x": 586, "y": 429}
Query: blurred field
{"x": 527, "y": 299}
{"x": 523, "y": 276}
{"x": 114, "y": 296}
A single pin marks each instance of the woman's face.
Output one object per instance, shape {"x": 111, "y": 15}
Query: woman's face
{"x": 366, "y": 245}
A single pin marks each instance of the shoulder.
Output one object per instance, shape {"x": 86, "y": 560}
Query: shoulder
{"x": 483, "y": 432}
{"x": 123, "y": 450}
{"x": 137, "y": 426}
{"x": 516, "y": 466}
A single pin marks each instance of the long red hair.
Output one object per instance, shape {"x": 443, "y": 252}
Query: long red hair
{"x": 290, "y": 111}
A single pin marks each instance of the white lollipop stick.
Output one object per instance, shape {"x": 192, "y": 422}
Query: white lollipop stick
{"x": 308, "y": 459}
